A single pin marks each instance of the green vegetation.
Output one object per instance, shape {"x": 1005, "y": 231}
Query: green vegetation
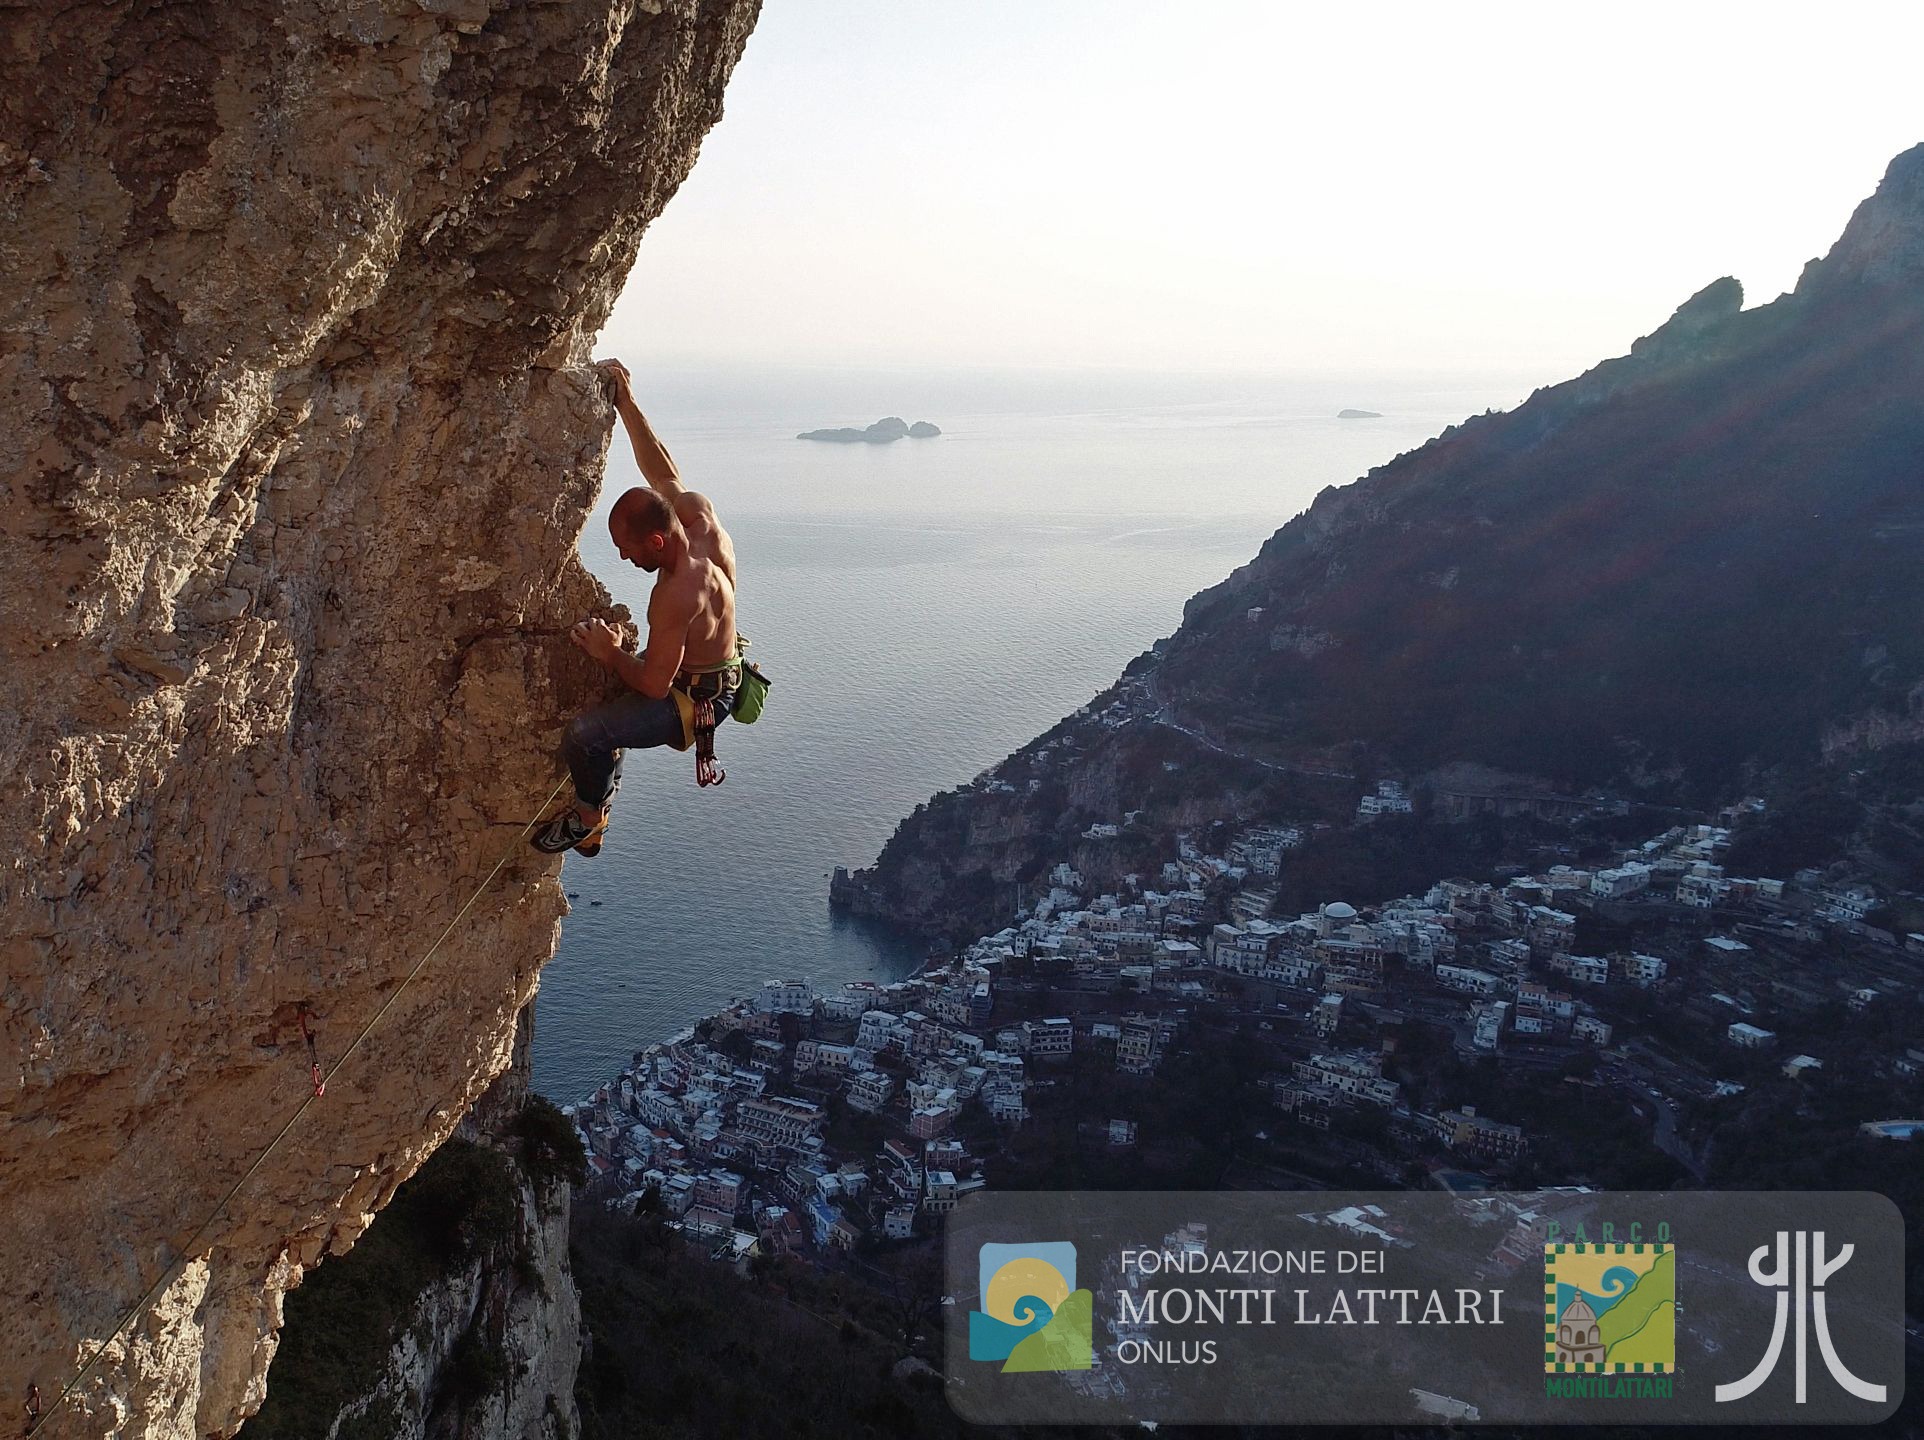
{"x": 1808, "y": 827}
{"x": 476, "y": 1369}
{"x": 1395, "y": 855}
{"x": 1194, "y": 1114}
{"x": 1750, "y": 1152}
{"x": 1869, "y": 804}
{"x": 350, "y": 1312}
{"x": 550, "y": 1146}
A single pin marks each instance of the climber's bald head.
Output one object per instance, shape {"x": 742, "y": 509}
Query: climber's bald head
{"x": 642, "y": 525}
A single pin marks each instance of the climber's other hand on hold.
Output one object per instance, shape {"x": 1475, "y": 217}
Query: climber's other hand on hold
{"x": 615, "y": 377}
{"x": 599, "y": 639}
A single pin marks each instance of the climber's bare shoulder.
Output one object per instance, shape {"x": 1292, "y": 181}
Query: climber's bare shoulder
{"x": 705, "y": 533}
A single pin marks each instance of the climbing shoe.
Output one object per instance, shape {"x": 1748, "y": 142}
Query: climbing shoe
{"x": 568, "y": 831}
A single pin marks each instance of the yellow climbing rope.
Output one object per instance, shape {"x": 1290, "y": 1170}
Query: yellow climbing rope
{"x": 36, "y": 1418}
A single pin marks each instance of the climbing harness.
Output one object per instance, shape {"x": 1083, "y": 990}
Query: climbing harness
{"x": 313, "y": 1056}
{"x": 35, "y": 1417}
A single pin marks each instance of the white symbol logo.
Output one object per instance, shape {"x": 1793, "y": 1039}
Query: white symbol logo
{"x": 1785, "y": 1272}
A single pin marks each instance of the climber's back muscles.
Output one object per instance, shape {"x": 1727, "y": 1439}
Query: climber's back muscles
{"x": 705, "y": 534}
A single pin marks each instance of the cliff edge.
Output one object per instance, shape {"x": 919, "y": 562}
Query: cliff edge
{"x": 299, "y": 437}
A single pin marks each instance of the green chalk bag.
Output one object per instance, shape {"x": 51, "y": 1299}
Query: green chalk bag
{"x": 752, "y": 695}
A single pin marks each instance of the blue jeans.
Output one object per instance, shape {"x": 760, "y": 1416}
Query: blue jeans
{"x": 595, "y": 738}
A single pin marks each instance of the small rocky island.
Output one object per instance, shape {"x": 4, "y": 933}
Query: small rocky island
{"x": 893, "y": 427}
{"x": 1359, "y": 414}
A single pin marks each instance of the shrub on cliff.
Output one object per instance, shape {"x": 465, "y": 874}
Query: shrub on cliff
{"x": 347, "y": 1315}
{"x": 551, "y": 1147}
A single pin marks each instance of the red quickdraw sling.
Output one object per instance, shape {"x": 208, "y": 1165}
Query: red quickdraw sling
{"x": 313, "y": 1056}
{"x": 702, "y": 686}
{"x": 707, "y": 770}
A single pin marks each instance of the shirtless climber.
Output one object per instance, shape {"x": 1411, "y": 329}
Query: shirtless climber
{"x": 691, "y": 655}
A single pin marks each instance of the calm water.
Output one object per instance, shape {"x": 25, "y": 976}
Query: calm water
{"x": 923, "y": 609}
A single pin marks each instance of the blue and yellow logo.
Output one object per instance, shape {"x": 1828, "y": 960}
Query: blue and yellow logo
{"x": 1032, "y": 1316}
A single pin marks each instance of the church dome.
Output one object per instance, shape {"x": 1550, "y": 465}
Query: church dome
{"x": 1337, "y": 910}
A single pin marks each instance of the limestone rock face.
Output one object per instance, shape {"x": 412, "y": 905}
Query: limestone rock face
{"x": 296, "y": 438}
{"x": 514, "y": 1302}
{"x": 1884, "y": 242}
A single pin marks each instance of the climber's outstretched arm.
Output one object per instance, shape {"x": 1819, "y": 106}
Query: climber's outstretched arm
{"x": 657, "y": 466}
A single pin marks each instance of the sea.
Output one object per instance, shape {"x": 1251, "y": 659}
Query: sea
{"x": 923, "y": 608}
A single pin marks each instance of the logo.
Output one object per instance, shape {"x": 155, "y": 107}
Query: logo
{"x": 1032, "y": 1316}
{"x": 1789, "y": 1272}
{"x": 1610, "y": 1310}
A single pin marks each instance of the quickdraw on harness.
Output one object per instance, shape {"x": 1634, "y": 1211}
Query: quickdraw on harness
{"x": 313, "y": 1056}
{"x": 702, "y": 686}
{"x": 707, "y": 770}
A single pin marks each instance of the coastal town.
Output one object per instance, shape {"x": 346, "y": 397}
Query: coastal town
{"x": 825, "y": 1123}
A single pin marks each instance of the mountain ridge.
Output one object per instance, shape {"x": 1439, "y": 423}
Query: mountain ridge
{"x": 1670, "y": 577}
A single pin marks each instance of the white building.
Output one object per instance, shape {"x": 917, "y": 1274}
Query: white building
{"x": 791, "y": 997}
{"x": 1621, "y": 882}
{"x": 898, "y": 1222}
{"x": 878, "y": 1029}
{"x": 820, "y": 1055}
{"x": 940, "y": 1196}
{"x": 1136, "y": 1048}
{"x": 1702, "y": 891}
{"x": 1358, "y": 1076}
{"x": 1644, "y": 970}
{"x": 1489, "y": 1024}
{"x": 778, "y": 1120}
{"x": 870, "y": 1091}
{"x": 1589, "y": 969}
{"x": 1466, "y": 979}
{"x": 1006, "y": 1104}
{"x": 849, "y": 1002}
{"x": 1054, "y": 1036}
{"x": 1390, "y": 799}
{"x": 1750, "y": 1037}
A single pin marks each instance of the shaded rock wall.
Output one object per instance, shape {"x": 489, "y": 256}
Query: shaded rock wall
{"x": 296, "y": 438}
{"x": 515, "y": 1302}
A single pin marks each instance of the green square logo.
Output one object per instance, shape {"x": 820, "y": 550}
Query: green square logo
{"x": 1610, "y": 1309}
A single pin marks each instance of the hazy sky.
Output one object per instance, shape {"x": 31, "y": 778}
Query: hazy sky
{"x": 1262, "y": 183}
